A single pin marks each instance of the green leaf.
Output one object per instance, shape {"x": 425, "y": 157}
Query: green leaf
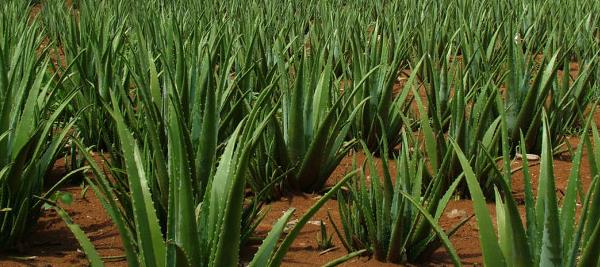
{"x": 492, "y": 255}
{"x": 437, "y": 228}
{"x": 551, "y": 254}
{"x": 345, "y": 258}
{"x": 182, "y": 229}
{"x": 85, "y": 243}
{"x": 149, "y": 236}
{"x": 263, "y": 255}
{"x": 230, "y": 185}
{"x": 569, "y": 206}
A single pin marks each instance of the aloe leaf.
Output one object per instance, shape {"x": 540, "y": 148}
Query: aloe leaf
{"x": 337, "y": 230}
{"x": 26, "y": 126}
{"x": 446, "y": 198}
{"x": 594, "y": 160}
{"x": 534, "y": 239}
{"x": 577, "y": 243}
{"x": 345, "y": 258}
{"x": 181, "y": 222}
{"x": 225, "y": 201}
{"x": 589, "y": 256}
{"x": 208, "y": 138}
{"x": 590, "y": 244}
{"x": 492, "y": 255}
{"x": 50, "y": 123}
{"x": 263, "y": 255}
{"x": 155, "y": 90}
{"x": 567, "y": 212}
{"x": 438, "y": 230}
{"x": 588, "y": 225}
{"x": 296, "y": 138}
{"x": 108, "y": 200}
{"x": 85, "y": 243}
{"x": 429, "y": 136}
{"x": 537, "y": 93}
{"x": 152, "y": 246}
{"x": 512, "y": 235}
{"x": 551, "y": 254}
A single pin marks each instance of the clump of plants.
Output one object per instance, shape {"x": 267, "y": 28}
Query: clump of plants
{"x": 390, "y": 215}
{"x": 31, "y": 134}
{"x": 324, "y": 241}
{"x": 209, "y": 111}
{"x": 551, "y": 233}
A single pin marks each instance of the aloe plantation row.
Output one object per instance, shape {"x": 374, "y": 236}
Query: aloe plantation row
{"x": 186, "y": 118}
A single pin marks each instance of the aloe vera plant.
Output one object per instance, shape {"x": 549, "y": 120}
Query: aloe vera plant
{"x": 551, "y": 235}
{"x": 394, "y": 221}
{"x": 528, "y": 92}
{"x": 468, "y": 117}
{"x": 315, "y": 122}
{"x": 382, "y": 113}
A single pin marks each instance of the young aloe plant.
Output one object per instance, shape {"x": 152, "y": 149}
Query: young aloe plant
{"x": 528, "y": 92}
{"x": 394, "y": 221}
{"x": 323, "y": 239}
{"x": 551, "y": 235}
{"x": 468, "y": 117}
{"x": 315, "y": 122}
{"x": 385, "y": 53}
